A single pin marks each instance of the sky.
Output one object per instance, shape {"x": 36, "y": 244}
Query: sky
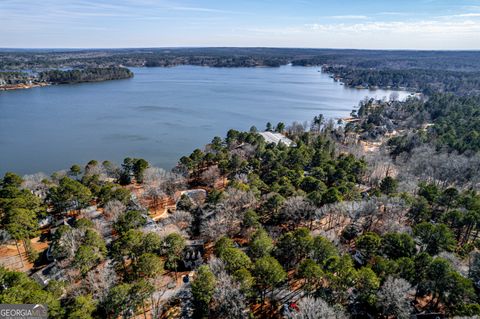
{"x": 373, "y": 24}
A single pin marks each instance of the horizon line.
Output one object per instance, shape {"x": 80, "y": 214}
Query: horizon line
{"x": 235, "y": 47}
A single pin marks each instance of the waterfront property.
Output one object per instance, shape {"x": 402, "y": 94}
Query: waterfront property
{"x": 276, "y": 138}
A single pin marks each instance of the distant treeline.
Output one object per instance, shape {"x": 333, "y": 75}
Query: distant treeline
{"x": 87, "y": 75}
{"x": 234, "y": 57}
{"x": 366, "y": 59}
{"x": 223, "y": 62}
{"x": 395, "y": 60}
{"x": 420, "y": 80}
{"x": 426, "y": 71}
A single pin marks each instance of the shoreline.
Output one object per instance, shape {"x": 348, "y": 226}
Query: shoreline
{"x": 55, "y": 77}
{"x": 22, "y": 86}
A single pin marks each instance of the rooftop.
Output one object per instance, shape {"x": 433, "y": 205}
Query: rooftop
{"x": 273, "y": 137}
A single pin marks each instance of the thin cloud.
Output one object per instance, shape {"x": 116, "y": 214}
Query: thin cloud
{"x": 400, "y": 27}
{"x": 469, "y": 8}
{"x": 394, "y": 13}
{"x": 468, "y": 15}
{"x": 199, "y": 9}
{"x": 349, "y": 17}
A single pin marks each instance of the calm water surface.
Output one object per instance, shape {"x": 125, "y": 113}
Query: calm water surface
{"x": 161, "y": 114}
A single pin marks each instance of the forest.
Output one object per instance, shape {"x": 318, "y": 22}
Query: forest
{"x": 85, "y": 75}
{"x": 464, "y": 61}
{"x": 418, "y": 80}
{"x": 320, "y": 229}
{"x": 15, "y": 80}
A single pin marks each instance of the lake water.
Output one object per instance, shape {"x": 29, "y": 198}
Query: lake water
{"x": 161, "y": 114}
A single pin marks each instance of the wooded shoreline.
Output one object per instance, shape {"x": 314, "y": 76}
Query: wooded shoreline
{"x": 20, "y": 80}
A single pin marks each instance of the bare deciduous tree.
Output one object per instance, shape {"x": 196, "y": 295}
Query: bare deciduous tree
{"x": 182, "y": 219}
{"x": 311, "y": 308}
{"x": 169, "y": 229}
{"x": 217, "y": 266}
{"x": 210, "y": 176}
{"x": 228, "y": 300}
{"x": 35, "y": 184}
{"x": 228, "y": 214}
{"x": 215, "y": 227}
{"x": 155, "y": 194}
{"x": 443, "y": 168}
{"x": 237, "y": 200}
{"x": 160, "y": 179}
{"x": 113, "y": 209}
{"x": 296, "y": 128}
{"x": 382, "y": 214}
{"x": 100, "y": 279}
{"x": 392, "y": 215}
{"x": 173, "y": 183}
{"x": 96, "y": 170}
{"x": 57, "y": 176}
{"x": 67, "y": 245}
{"x": 393, "y": 298}
{"x": 154, "y": 176}
{"x": 297, "y": 209}
{"x": 455, "y": 262}
{"x": 380, "y": 165}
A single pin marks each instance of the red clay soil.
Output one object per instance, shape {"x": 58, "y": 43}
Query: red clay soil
{"x": 20, "y": 86}
{"x": 265, "y": 311}
{"x": 208, "y": 250}
{"x": 10, "y": 258}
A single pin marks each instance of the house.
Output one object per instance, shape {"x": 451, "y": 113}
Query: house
{"x": 193, "y": 254}
{"x": 91, "y": 212}
{"x": 358, "y": 257}
{"x": 51, "y": 272}
{"x": 276, "y": 138}
{"x": 197, "y": 196}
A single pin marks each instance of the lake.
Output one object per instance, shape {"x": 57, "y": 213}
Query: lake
{"x": 161, "y": 114}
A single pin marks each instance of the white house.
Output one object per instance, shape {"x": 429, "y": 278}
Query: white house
{"x": 273, "y": 137}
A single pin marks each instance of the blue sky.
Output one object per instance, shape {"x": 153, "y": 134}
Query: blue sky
{"x": 387, "y": 24}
